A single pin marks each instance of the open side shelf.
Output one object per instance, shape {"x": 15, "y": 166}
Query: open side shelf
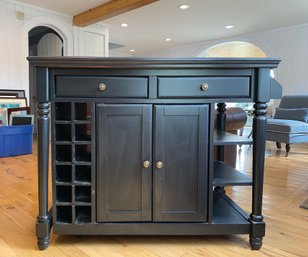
{"x": 225, "y": 175}
{"x": 225, "y": 211}
{"x": 225, "y": 138}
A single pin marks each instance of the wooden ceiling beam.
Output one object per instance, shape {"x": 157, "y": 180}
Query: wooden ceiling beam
{"x": 108, "y": 10}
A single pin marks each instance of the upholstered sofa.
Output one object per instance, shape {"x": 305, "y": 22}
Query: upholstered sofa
{"x": 290, "y": 122}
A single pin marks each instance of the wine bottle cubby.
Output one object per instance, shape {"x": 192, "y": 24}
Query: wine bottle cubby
{"x": 82, "y": 174}
{"x": 63, "y": 194}
{"x": 63, "y": 132}
{"x": 82, "y": 214}
{"x": 63, "y": 111}
{"x": 64, "y": 214}
{"x": 63, "y": 173}
{"x": 83, "y": 194}
{"x": 82, "y": 132}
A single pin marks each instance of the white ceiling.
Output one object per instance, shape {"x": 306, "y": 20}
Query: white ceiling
{"x": 204, "y": 20}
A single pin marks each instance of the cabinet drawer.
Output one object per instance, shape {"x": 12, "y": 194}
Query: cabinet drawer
{"x": 203, "y": 87}
{"x": 110, "y": 87}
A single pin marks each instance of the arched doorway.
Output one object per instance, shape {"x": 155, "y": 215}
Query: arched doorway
{"x": 44, "y": 41}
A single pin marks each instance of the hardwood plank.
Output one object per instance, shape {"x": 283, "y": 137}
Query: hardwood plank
{"x": 108, "y": 10}
{"x": 6, "y": 250}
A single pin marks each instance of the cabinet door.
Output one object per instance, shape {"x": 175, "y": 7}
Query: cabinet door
{"x": 181, "y": 146}
{"x": 124, "y": 136}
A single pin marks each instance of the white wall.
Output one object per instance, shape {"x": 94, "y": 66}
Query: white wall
{"x": 14, "y": 40}
{"x": 289, "y": 44}
{"x": 92, "y": 40}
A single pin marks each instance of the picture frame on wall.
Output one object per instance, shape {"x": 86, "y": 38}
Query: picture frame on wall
{"x": 12, "y": 93}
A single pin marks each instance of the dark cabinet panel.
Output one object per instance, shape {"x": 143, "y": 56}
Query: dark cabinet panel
{"x": 180, "y": 168}
{"x": 123, "y": 145}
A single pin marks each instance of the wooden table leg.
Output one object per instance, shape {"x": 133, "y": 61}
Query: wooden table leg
{"x": 43, "y": 219}
{"x": 256, "y": 217}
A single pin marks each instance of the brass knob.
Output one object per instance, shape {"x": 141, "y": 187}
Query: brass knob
{"x": 102, "y": 87}
{"x": 204, "y": 86}
{"x": 146, "y": 164}
{"x": 159, "y": 165}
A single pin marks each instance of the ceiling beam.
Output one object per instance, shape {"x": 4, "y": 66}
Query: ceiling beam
{"x": 108, "y": 10}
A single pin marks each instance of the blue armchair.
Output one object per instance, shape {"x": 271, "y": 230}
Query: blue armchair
{"x": 290, "y": 122}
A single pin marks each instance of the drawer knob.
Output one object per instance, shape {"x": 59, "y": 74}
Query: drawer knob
{"x": 159, "y": 165}
{"x": 204, "y": 86}
{"x": 102, "y": 87}
{"x": 146, "y": 164}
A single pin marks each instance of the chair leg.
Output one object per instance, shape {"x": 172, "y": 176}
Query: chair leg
{"x": 287, "y": 149}
{"x": 278, "y": 145}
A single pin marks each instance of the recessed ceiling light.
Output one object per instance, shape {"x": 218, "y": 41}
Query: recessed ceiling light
{"x": 167, "y": 39}
{"x": 132, "y": 50}
{"x": 124, "y": 25}
{"x": 229, "y": 27}
{"x": 184, "y": 6}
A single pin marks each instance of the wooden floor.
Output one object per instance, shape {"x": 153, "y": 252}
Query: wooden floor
{"x": 286, "y": 187}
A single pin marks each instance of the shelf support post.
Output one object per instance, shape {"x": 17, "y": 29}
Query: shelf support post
{"x": 220, "y": 125}
{"x": 42, "y": 97}
{"x": 256, "y": 217}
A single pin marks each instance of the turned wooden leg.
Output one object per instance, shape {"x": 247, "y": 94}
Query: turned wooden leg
{"x": 255, "y": 243}
{"x": 42, "y": 89}
{"x": 221, "y": 122}
{"x": 278, "y": 145}
{"x": 43, "y": 218}
{"x": 288, "y": 147}
{"x": 256, "y": 217}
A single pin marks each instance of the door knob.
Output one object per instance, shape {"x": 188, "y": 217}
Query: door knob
{"x": 102, "y": 87}
{"x": 146, "y": 164}
{"x": 204, "y": 86}
{"x": 159, "y": 165}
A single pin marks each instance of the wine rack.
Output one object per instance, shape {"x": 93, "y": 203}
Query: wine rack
{"x": 72, "y": 162}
